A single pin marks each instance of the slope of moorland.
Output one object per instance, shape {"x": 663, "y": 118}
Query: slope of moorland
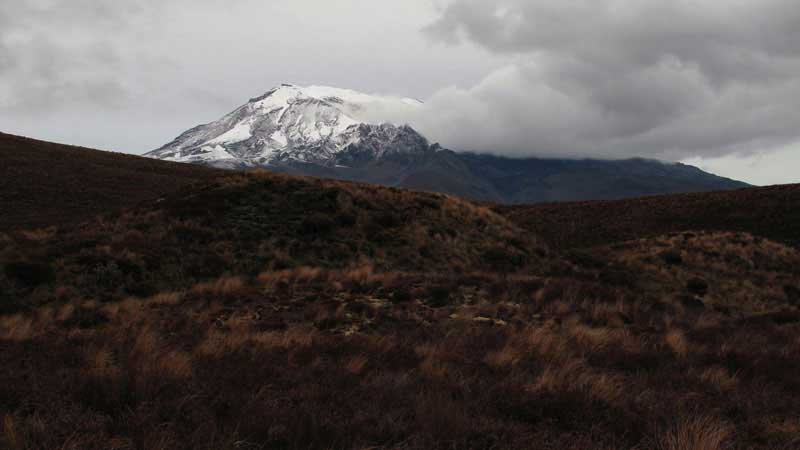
{"x": 42, "y": 183}
{"x": 260, "y": 311}
{"x": 771, "y": 212}
{"x": 246, "y": 223}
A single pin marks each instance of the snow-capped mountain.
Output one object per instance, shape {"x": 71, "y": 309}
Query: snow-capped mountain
{"x": 292, "y": 124}
{"x": 332, "y": 133}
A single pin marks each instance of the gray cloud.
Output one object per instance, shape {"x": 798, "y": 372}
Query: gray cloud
{"x": 79, "y": 71}
{"x": 60, "y": 53}
{"x": 615, "y": 78}
{"x": 603, "y": 78}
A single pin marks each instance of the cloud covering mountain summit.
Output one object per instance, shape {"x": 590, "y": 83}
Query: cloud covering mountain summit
{"x": 623, "y": 77}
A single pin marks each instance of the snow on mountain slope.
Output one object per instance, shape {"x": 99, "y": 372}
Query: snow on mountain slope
{"x": 296, "y": 124}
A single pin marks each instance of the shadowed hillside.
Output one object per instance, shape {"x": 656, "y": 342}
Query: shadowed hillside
{"x": 43, "y": 184}
{"x": 260, "y": 311}
{"x": 243, "y": 224}
{"x": 771, "y": 212}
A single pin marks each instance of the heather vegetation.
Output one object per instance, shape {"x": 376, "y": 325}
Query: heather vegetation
{"x": 42, "y": 183}
{"x": 771, "y": 212}
{"x": 265, "y": 311}
{"x": 245, "y": 224}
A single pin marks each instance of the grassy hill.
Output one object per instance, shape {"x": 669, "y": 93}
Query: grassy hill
{"x": 771, "y": 212}
{"x": 258, "y": 310}
{"x": 243, "y": 224}
{"x": 42, "y": 183}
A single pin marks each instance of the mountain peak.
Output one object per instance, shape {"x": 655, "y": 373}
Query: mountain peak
{"x": 291, "y": 123}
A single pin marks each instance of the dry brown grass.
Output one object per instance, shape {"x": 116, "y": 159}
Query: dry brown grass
{"x": 11, "y": 436}
{"x": 720, "y": 378}
{"x": 174, "y": 365}
{"x": 225, "y": 286}
{"x": 390, "y": 326}
{"x": 16, "y": 328}
{"x": 356, "y": 364}
{"x": 168, "y": 298}
{"x": 574, "y": 376}
{"x": 676, "y": 340}
{"x": 771, "y": 212}
{"x": 211, "y": 365}
{"x": 700, "y": 433}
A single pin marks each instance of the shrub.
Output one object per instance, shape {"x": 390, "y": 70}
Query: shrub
{"x": 618, "y": 277}
{"x": 678, "y": 343}
{"x": 701, "y": 433}
{"x": 29, "y": 274}
{"x": 692, "y": 303}
{"x": 439, "y": 295}
{"x": 316, "y": 224}
{"x": 792, "y": 293}
{"x": 401, "y": 295}
{"x": 697, "y": 286}
{"x": 346, "y": 219}
{"x": 672, "y": 257}
{"x": 502, "y": 260}
{"x": 107, "y": 276}
{"x": 388, "y": 220}
{"x": 586, "y": 259}
{"x": 86, "y": 318}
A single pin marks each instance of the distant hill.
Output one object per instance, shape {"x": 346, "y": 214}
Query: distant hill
{"x": 43, "y": 183}
{"x": 771, "y": 212}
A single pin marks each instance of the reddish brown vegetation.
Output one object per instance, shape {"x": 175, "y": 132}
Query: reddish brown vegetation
{"x": 262, "y": 311}
{"x": 771, "y": 212}
{"x": 316, "y": 358}
{"x": 43, "y": 184}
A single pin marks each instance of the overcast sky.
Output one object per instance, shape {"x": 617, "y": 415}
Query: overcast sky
{"x": 715, "y": 83}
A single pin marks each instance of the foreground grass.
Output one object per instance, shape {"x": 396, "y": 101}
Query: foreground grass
{"x": 313, "y": 358}
{"x": 272, "y": 312}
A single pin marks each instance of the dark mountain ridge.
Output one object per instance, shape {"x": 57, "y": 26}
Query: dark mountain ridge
{"x": 519, "y": 181}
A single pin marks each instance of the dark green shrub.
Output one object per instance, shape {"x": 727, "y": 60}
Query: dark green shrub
{"x": 438, "y": 295}
{"x": 429, "y": 202}
{"x": 86, "y": 318}
{"x": 792, "y": 293}
{"x": 697, "y": 286}
{"x": 502, "y": 260}
{"x": 618, "y": 277}
{"x": 672, "y": 257}
{"x": 401, "y": 295}
{"x": 29, "y": 274}
{"x": 690, "y": 302}
{"x": 316, "y": 224}
{"x": 586, "y": 259}
{"x": 388, "y": 220}
{"x": 346, "y": 219}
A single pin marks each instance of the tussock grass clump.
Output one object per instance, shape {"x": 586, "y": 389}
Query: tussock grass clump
{"x": 701, "y": 433}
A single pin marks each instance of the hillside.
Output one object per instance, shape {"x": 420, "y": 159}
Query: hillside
{"x": 260, "y": 310}
{"x": 244, "y": 224}
{"x": 43, "y": 183}
{"x": 770, "y": 212}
